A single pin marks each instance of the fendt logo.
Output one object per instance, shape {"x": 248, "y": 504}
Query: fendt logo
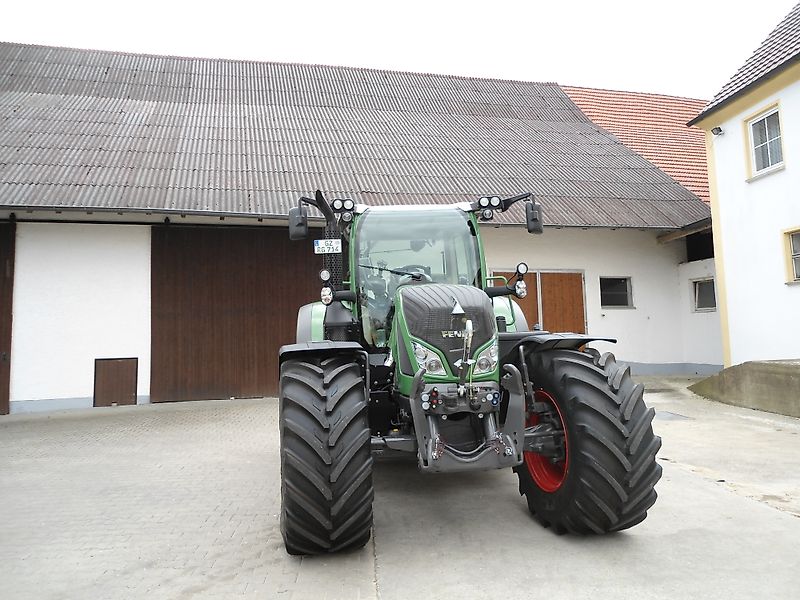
{"x": 457, "y": 333}
{"x": 452, "y": 334}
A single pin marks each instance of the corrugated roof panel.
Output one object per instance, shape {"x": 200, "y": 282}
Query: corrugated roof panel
{"x": 106, "y": 130}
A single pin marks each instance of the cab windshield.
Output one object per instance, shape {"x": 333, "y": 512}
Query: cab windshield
{"x": 402, "y": 247}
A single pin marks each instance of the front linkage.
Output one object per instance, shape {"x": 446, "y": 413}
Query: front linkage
{"x": 502, "y": 445}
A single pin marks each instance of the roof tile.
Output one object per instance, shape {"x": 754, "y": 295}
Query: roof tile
{"x": 779, "y": 50}
{"x": 654, "y": 126}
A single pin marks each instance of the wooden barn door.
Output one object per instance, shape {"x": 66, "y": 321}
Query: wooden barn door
{"x": 7, "y": 232}
{"x": 562, "y": 302}
{"x": 555, "y": 300}
{"x": 223, "y": 302}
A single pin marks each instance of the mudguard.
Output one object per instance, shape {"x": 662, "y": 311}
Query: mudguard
{"x": 325, "y": 347}
{"x": 539, "y": 341}
{"x": 310, "y": 322}
{"x": 509, "y": 309}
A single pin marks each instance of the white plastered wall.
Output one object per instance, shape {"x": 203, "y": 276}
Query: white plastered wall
{"x": 701, "y": 337}
{"x": 81, "y": 292}
{"x": 762, "y": 307}
{"x": 653, "y": 331}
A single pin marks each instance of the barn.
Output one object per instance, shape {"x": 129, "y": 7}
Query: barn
{"x": 143, "y": 204}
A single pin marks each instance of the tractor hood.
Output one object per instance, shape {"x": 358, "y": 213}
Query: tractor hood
{"x": 428, "y": 310}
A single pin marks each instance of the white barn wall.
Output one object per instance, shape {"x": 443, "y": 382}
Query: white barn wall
{"x": 651, "y": 333}
{"x": 81, "y": 292}
{"x": 752, "y": 216}
{"x": 702, "y": 338}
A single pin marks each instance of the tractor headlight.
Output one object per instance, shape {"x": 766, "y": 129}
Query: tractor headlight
{"x": 487, "y": 360}
{"x": 434, "y": 366}
{"x": 326, "y": 295}
{"x": 521, "y": 289}
{"x": 428, "y": 360}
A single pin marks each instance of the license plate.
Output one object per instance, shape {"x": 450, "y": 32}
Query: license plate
{"x": 327, "y": 246}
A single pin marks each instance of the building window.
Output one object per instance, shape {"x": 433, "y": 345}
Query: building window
{"x": 794, "y": 255}
{"x": 615, "y": 292}
{"x": 704, "y": 297}
{"x": 765, "y": 142}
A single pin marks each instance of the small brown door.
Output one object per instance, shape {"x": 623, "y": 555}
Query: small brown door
{"x": 562, "y": 302}
{"x": 530, "y": 303}
{"x": 6, "y": 297}
{"x": 115, "y": 381}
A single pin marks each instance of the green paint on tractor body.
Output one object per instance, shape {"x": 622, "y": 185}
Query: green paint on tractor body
{"x": 415, "y": 349}
{"x": 400, "y": 339}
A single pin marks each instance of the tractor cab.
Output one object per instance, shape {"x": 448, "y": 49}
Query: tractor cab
{"x": 394, "y": 247}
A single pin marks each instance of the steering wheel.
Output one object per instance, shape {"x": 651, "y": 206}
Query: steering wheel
{"x": 422, "y": 270}
{"x": 418, "y": 270}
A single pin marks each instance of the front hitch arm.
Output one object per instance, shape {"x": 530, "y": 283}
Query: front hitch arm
{"x": 514, "y": 426}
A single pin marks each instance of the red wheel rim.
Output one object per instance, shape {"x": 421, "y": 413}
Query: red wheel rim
{"x": 546, "y": 474}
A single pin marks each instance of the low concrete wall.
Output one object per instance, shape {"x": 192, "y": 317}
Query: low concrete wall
{"x": 773, "y": 386}
{"x": 670, "y": 369}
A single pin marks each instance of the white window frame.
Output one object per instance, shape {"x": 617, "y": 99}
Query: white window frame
{"x": 752, "y": 146}
{"x": 695, "y": 290}
{"x": 629, "y": 280}
{"x": 793, "y": 253}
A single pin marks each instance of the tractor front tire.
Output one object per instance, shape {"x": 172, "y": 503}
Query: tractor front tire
{"x": 607, "y": 478}
{"x": 326, "y": 463}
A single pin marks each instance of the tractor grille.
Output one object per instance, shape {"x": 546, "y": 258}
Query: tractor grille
{"x": 427, "y": 309}
{"x": 334, "y": 262}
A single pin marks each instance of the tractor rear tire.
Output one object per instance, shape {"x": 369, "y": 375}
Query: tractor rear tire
{"x": 607, "y": 481}
{"x": 326, "y": 463}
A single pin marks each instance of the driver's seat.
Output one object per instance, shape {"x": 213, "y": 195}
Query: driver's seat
{"x": 377, "y": 285}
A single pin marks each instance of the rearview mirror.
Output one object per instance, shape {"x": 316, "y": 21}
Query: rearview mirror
{"x": 533, "y": 217}
{"x": 298, "y": 223}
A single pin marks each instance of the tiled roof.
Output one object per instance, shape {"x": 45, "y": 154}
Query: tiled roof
{"x": 653, "y": 125}
{"x": 780, "y": 50}
{"x": 128, "y": 132}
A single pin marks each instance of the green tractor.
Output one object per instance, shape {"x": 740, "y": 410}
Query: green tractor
{"x": 414, "y": 349}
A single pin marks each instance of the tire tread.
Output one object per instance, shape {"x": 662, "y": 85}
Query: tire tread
{"x": 612, "y": 469}
{"x": 326, "y": 464}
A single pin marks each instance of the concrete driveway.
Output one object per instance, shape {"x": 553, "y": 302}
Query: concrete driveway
{"x": 182, "y": 501}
